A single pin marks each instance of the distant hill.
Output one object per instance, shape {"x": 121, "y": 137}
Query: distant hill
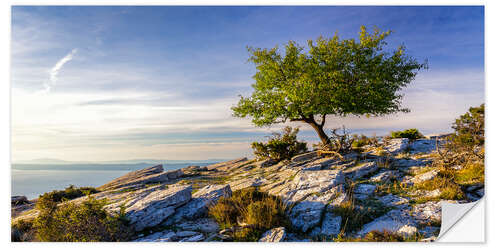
{"x": 45, "y": 161}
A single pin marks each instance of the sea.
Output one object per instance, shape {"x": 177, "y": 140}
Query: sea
{"x": 32, "y": 180}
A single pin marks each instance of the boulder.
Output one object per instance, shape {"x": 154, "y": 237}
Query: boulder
{"x": 396, "y": 146}
{"x": 206, "y": 225}
{"x": 422, "y": 177}
{"x": 385, "y": 176}
{"x": 201, "y": 200}
{"x": 362, "y": 170}
{"x": 155, "y": 207}
{"x": 223, "y": 166}
{"x": 423, "y": 146}
{"x": 163, "y": 236}
{"x": 393, "y": 221}
{"x": 309, "y": 182}
{"x": 393, "y": 200}
{"x": 331, "y": 225}
{"x": 274, "y": 235}
{"x": 194, "y": 238}
{"x": 307, "y": 213}
{"x": 247, "y": 182}
{"x": 304, "y": 157}
{"x": 429, "y": 211}
{"x": 141, "y": 177}
{"x": 362, "y": 191}
{"x": 18, "y": 200}
{"x": 407, "y": 230}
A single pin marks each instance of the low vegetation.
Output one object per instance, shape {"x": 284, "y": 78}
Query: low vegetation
{"x": 384, "y": 236}
{"x": 71, "y": 222}
{"x": 411, "y": 134}
{"x": 280, "y": 146}
{"x": 69, "y": 193}
{"x": 249, "y": 213}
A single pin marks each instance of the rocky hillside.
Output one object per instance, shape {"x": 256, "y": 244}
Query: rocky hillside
{"x": 388, "y": 188}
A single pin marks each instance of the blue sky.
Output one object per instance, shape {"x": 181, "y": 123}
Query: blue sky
{"x": 113, "y": 83}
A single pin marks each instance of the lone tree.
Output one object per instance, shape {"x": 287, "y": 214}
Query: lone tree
{"x": 332, "y": 77}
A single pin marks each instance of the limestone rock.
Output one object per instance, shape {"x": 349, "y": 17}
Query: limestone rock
{"x": 362, "y": 170}
{"x": 227, "y": 164}
{"x": 307, "y": 213}
{"x": 274, "y": 235}
{"x": 247, "y": 182}
{"x": 422, "y": 177}
{"x": 194, "y": 238}
{"x": 396, "y": 146}
{"x": 206, "y": 225}
{"x": 198, "y": 205}
{"x": 393, "y": 200}
{"x": 407, "y": 231}
{"x": 157, "y": 206}
{"x": 423, "y": 146}
{"x": 304, "y": 157}
{"x": 430, "y": 210}
{"x": 164, "y": 236}
{"x": 146, "y": 175}
{"x": 386, "y": 176}
{"x": 393, "y": 221}
{"x": 331, "y": 225}
{"x": 363, "y": 191}
{"x": 309, "y": 182}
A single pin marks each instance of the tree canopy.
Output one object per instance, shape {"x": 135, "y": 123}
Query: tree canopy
{"x": 331, "y": 77}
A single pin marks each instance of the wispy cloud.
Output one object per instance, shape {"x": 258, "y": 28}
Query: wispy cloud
{"x": 54, "y": 71}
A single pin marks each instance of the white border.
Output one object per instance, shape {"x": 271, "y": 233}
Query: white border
{"x": 492, "y": 88}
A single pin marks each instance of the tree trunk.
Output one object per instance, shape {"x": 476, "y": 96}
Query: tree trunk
{"x": 319, "y": 130}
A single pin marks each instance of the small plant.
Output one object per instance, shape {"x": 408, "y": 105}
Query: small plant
{"x": 87, "y": 221}
{"x": 250, "y": 212}
{"x": 411, "y": 134}
{"x": 384, "y": 236}
{"x": 69, "y": 193}
{"x": 280, "y": 146}
{"x": 363, "y": 140}
{"x": 22, "y": 230}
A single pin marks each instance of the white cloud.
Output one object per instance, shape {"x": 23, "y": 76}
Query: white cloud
{"x": 54, "y": 71}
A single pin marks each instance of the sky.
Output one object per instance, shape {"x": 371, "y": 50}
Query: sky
{"x": 118, "y": 83}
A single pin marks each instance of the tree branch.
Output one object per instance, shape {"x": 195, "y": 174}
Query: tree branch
{"x": 323, "y": 120}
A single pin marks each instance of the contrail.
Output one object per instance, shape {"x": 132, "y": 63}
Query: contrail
{"x": 54, "y": 71}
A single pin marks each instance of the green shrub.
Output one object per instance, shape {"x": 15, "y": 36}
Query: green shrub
{"x": 411, "y": 134}
{"x": 22, "y": 230}
{"x": 280, "y": 146}
{"x": 254, "y": 211}
{"x": 363, "y": 140}
{"x": 87, "y": 221}
{"x": 68, "y": 193}
{"x": 384, "y": 236}
{"x": 469, "y": 127}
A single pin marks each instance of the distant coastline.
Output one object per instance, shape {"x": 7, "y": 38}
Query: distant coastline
{"x": 31, "y": 180}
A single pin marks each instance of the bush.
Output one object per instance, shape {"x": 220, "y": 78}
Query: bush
{"x": 68, "y": 193}
{"x": 22, "y": 230}
{"x": 280, "y": 147}
{"x": 251, "y": 211}
{"x": 87, "y": 221}
{"x": 363, "y": 140}
{"x": 469, "y": 127}
{"x": 411, "y": 134}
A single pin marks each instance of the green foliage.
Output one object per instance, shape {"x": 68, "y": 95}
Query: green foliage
{"x": 469, "y": 127}
{"x": 68, "y": 193}
{"x": 363, "y": 140}
{"x": 22, "y": 230}
{"x": 356, "y": 213}
{"x": 280, "y": 146}
{"x": 384, "y": 236}
{"x": 87, "y": 221}
{"x": 253, "y": 211}
{"x": 329, "y": 77}
{"x": 411, "y": 134}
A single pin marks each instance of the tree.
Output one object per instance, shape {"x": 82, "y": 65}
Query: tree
{"x": 333, "y": 77}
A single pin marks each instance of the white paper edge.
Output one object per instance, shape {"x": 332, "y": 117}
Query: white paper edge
{"x": 462, "y": 222}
